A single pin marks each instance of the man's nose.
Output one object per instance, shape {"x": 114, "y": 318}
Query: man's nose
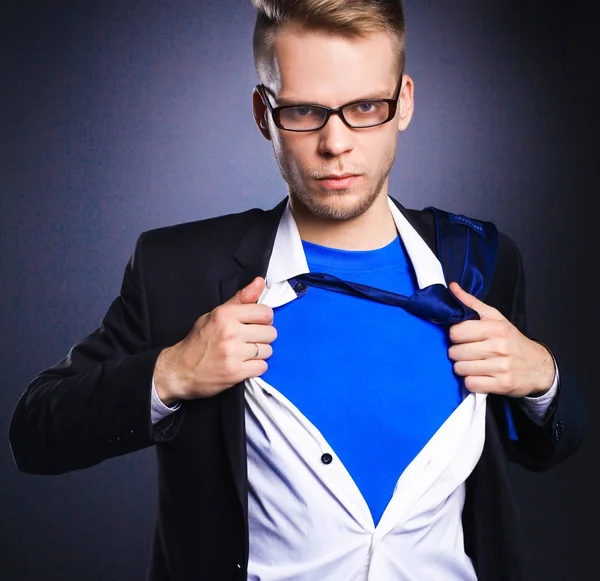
{"x": 335, "y": 138}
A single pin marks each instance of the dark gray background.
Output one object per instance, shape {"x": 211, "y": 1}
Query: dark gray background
{"x": 120, "y": 116}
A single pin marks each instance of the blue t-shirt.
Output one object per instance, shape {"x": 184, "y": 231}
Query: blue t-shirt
{"x": 375, "y": 380}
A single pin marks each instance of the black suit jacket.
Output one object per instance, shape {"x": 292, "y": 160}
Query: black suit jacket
{"x": 95, "y": 404}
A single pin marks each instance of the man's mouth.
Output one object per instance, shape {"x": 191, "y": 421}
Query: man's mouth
{"x": 338, "y": 181}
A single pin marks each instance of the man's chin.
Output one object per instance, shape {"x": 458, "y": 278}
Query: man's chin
{"x": 337, "y": 205}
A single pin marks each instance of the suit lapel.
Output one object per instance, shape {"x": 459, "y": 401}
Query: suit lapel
{"x": 252, "y": 257}
{"x": 422, "y": 222}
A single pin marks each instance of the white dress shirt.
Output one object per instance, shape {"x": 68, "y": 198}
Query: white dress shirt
{"x": 307, "y": 519}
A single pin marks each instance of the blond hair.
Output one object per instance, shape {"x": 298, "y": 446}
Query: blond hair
{"x": 344, "y": 17}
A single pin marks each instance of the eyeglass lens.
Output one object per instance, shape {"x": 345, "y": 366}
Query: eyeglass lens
{"x": 362, "y": 114}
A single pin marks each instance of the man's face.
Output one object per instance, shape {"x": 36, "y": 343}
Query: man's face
{"x": 321, "y": 68}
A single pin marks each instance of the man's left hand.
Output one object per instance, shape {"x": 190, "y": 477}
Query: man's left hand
{"x": 494, "y": 356}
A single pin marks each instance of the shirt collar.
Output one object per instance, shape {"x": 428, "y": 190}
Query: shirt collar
{"x": 288, "y": 259}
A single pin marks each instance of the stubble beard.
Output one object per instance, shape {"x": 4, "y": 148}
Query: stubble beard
{"x": 327, "y": 208}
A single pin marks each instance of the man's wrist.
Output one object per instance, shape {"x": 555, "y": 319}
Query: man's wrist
{"x": 164, "y": 379}
{"x": 547, "y": 372}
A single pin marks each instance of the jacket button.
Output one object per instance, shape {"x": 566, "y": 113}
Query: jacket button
{"x": 558, "y": 430}
{"x": 327, "y": 458}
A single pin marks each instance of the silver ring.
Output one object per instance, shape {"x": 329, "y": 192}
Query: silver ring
{"x": 257, "y": 351}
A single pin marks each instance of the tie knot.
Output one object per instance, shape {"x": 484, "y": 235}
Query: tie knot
{"x": 439, "y": 305}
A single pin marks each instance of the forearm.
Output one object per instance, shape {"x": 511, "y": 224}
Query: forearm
{"x": 68, "y": 420}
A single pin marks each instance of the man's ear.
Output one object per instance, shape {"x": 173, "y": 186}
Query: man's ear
{"x": 406, "y": 103}
{"x": 260, "y": 114}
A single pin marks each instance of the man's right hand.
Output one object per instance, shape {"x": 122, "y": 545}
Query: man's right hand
{"x": 220, "y": 350}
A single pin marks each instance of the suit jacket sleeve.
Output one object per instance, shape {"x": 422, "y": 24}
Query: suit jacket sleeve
{"x": 95, "y": 403}
{"x": 537, "y": 447}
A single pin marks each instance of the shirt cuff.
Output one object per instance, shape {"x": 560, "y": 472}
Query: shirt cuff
{"x": 536, "y": 407}
{"x": 158, "y": 410}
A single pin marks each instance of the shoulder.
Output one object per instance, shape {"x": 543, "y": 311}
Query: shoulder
{"x": 507, "y": 287}
{"x": 224, "y": 228}
{"x": 194, "y": 245}
{"x": 507, "y": 284}
{"x": 508, "y": 251}
{"x": 215, "y": 235}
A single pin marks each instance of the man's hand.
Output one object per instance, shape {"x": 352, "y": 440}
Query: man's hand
{"x": 224, "y": 347}
{"x": 494, "y": 356}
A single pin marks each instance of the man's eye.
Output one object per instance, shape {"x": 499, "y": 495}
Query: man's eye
{"x": 302, "y": 111}
{"x": 366, "y": 107}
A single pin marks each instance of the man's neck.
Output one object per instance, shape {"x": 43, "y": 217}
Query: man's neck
{"x": 371, "y": 230}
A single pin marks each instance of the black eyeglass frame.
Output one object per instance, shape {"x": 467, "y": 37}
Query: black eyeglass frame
{"x": 276, "y": 111}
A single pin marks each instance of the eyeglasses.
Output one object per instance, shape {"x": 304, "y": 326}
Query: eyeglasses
{"x": 356, "y": 114}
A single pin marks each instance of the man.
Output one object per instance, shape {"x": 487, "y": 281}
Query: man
{"x": 301, "y": 433}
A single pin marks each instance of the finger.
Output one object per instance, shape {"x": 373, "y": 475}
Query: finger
{"x": 483, "y": 310}
{"x": 481, "y": 384}
{"x": 249, "y": 294}
{"x": 247, "y": 314}
{"x": 258, "y": 334}
{"x": 471, "y": 351}
{"x": 471, "y": 331}
{"x": 253, "y": 368}
{"x": 255, "y": 351}
{"x": 482, "y": 368}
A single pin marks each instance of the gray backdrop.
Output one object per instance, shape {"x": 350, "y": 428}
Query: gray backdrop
{"x": 120, "y": 116}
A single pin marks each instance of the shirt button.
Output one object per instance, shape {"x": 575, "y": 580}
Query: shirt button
{"x": 327, "y": 458}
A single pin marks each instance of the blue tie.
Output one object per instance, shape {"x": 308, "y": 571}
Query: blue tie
{"x": 434, "y": 302}
{"x": 467, "y": 251}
